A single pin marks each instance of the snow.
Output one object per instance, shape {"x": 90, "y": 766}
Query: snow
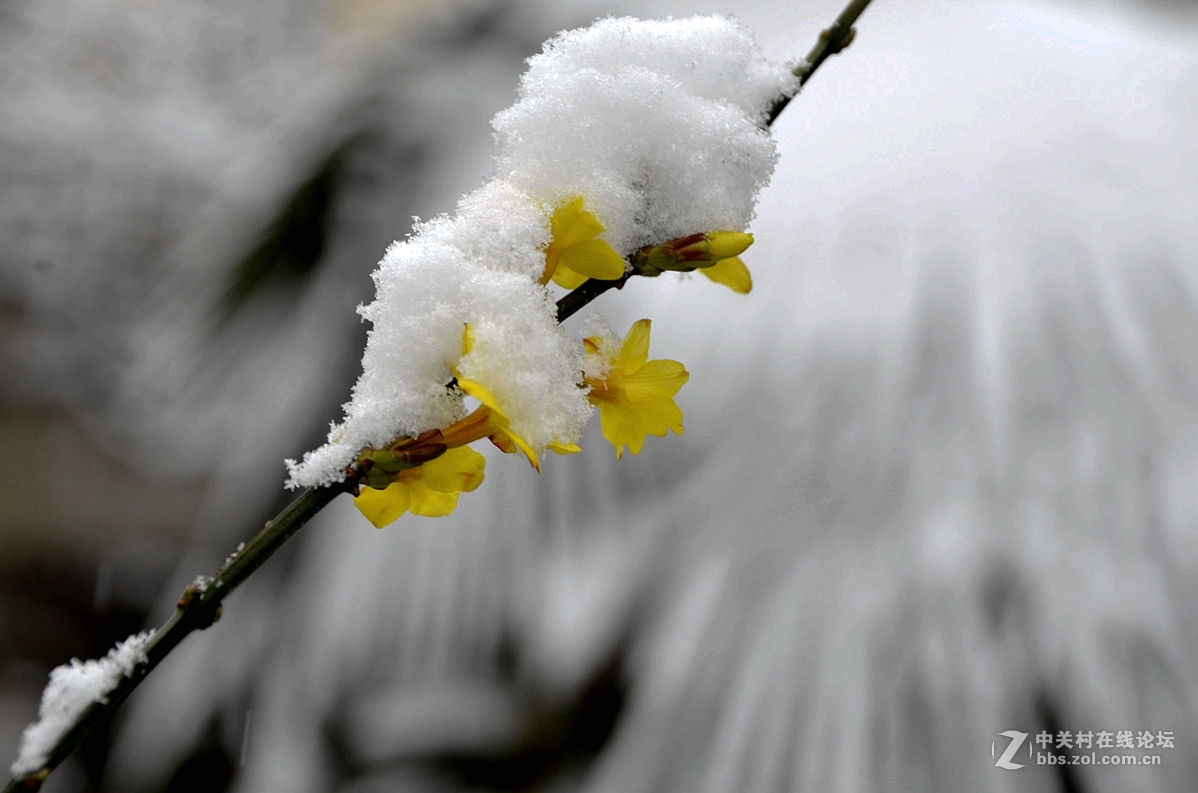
{"x": 72, "y": 689}
{"x": 607, "y": 343}
{"x": 228, "y": 560}
{"x": 657, "y": 124}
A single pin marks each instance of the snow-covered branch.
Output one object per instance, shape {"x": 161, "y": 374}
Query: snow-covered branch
{"x": 635, "y": 148}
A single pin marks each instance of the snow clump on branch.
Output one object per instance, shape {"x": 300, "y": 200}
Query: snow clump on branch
{"x": 72, "y": 689}
{"x": 658, "y": 126}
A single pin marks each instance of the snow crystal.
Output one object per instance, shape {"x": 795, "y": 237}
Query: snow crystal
{"x": 657, "y": 125}
{"x": 72, "y": 689}
{"x": 228, "y": 560}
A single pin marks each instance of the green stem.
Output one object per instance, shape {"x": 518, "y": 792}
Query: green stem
{"x": 200, "y": 606}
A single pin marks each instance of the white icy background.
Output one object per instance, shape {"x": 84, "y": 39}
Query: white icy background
{"x": 938, "y": 477}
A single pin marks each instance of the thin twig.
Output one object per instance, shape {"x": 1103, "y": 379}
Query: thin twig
{"x": 200, "y": 606}
{"x": 832, "y": 40}
{"x": 573, "y": 302}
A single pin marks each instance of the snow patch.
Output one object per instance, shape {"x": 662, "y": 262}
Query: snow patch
{"x": 72, "y": 689}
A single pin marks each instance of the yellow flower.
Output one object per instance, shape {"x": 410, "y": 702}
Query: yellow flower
{"x": 489, "y": 421}
{"x": 430, "y": 489}
{"x": 574, "y": 254}
{"x": 635, "y": 396}
{"x": 423, "y": 475}
{"x": 715, "y": 254}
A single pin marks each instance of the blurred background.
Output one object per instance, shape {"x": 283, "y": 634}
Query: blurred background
{"x": 939, "y": 479}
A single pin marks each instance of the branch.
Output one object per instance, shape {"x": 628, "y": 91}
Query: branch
{"x": 200, "y": 605}
{"x": 573, "y": 302}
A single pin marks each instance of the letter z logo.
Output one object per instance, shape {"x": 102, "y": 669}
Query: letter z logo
{"x": 1017, "y": 739}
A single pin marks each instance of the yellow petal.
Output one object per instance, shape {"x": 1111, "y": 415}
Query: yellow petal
{"x": 501, "y": 420}
{"x": 471, "y": 388}
{"x": 430, "y": 503}
{"x": 504, "y": 444}
{"x": 457, "y": 470}
{"x": 635, "y": 349}
{"x": 594, "y": 259}
{"x": 564, "y": 448}
{"x": 623, "y": 427}
{"x": 658, "y": 379}
{"x": 467, "y": 339}
{"x": 657, "y": 417}
{"x": 616, "y": 429}
{"x": 732, "y": 273}
{"x": 382, "y": 507}
{"x": 726, "y": 244}
{"x": 523, "y": 446}
{"x": 568, "y": 279}
{"x": 571, "y": 224}
{"x": 627, "y": 423}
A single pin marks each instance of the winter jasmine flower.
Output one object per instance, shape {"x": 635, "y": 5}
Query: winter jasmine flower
{"x": 430, "y": 489}
{"x": 635, "y": 396}
{"x": 574, "y": 253}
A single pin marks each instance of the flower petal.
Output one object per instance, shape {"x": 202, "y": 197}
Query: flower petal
{"x": 564, "y": 448}
{"x": 635, "y": 349}
{"x": 471, "y": 388}
{"x": 726, "y": 244}
{"x": 732, "y": 273}
{"x": 509, "y": 442}
{"x": 571, "y": 224}
{"x": 430, "y": 503}
{"x": 383, "y": 507}
{"x": 659, "y": 416}
{"x": 457, "y": 470}
{"x": 627, "y": 423}
{"x": 619, "y": 430}
{"x": 504, "y": 438}
{"x": 566, "y": 278}
{"x": 659, "y": 379}
{"x": 467, "y": 339}
{"x": 594, "y": 259}
{"x": 523, "y": 446}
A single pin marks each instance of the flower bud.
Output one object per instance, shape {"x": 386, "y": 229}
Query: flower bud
{"x": 692, "y": 252}
{"x": 379, "y": 467}
{"x": 726, "y": 244}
